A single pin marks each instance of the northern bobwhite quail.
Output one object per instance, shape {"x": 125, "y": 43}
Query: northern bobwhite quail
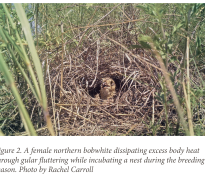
{"x": 107, "y": 90}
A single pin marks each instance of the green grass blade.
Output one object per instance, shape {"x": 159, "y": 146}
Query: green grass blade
{"x": 1, "y": 133}
{"x": 27, "y": 31}
{"x": 14, "y": 58}
{"x": 26, "y": 59}
{"x": 26, "y": 27}
{"x": 23, "y": 112}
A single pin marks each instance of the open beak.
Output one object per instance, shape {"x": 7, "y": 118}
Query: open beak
{"x": 104, "y": 85}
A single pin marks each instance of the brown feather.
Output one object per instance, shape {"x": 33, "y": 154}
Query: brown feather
{"x": 107, "y": 90}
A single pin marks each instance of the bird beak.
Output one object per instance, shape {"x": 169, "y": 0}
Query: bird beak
{"x": 103, "y": 85}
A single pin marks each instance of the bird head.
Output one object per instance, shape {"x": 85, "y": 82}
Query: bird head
{"x": 108, "y": 83}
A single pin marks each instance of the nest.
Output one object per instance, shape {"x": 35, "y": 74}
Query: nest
{"x": 77, "y": 111}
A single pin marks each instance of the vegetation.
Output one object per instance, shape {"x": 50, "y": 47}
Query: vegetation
{"x": 53, "y": 57}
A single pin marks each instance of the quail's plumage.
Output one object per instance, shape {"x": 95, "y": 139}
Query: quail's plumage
{"x": 107, "y": 90}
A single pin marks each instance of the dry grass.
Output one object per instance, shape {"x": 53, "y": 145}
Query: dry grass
{"x": 135, "y": 73}
{"x": 78, "y": 54}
